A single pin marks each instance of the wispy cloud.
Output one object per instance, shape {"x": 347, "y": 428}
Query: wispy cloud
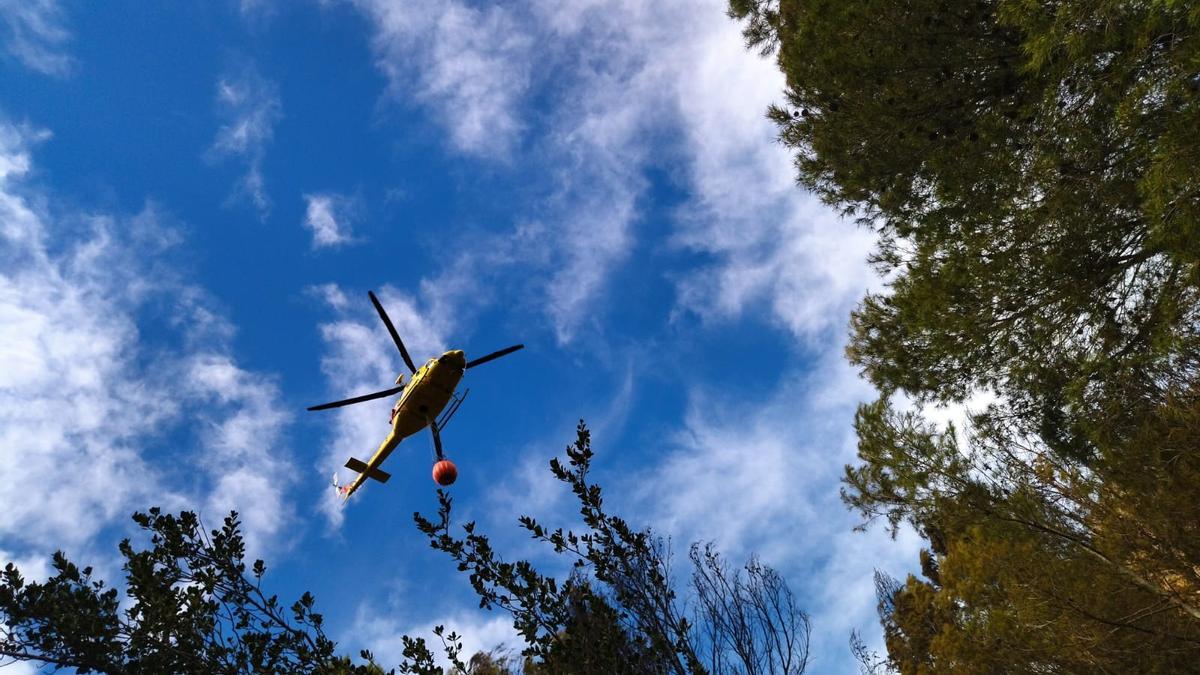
{"x": 476, "y": 70}
{"x": 68, "y": 404}
{"x": 329, "y": 215}
{"x": 769, "y": 242}
{"x": 770, "y": 463}
{"x": 243, "y": 443}
{"x": 763, "y": 477}
{"x": 35, "y": 34}
{"x": 668, "y": 81}
{"x": 249, "y": 107}
{"x": 381, "y": 631}
{"x": 620, "y": 79}
{"x": 86, "y": 399}
{"x": 471, "y": 65}
{"x": 595, "y": 206}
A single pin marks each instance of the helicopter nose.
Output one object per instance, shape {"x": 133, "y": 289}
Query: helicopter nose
{"x": 454, "y": 358}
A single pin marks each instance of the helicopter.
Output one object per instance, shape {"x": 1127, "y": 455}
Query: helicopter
{"x": 428, "y": 399}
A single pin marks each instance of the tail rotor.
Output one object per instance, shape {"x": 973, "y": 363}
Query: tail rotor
{"x": 343, "y": 491}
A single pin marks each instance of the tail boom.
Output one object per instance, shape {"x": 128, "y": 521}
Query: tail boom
{"x": 369, "y": 469}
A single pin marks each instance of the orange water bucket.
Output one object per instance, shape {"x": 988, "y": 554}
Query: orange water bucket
{"x": 444, "y": 472}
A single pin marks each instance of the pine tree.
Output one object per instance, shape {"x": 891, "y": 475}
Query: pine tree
{"x": 1030, "y": 169}
{"x": 1031, "y": 172}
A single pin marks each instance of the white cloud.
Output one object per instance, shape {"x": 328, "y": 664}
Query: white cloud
{"x": 471, "y": 65}
{"x": 768, "y": 240}
{"x": 68, "y": 408}
{"x": 763, "y": 477}
{"x": 330, "y": 294}
{"x": 34, "y": 34}
{"x": 242, "y": 443}
{"x": 765, "y": 464}
{"x": 594, "y": 209}
{"x": 675, "y": 77}
{"x": 621, "y": 78}
{"x": 249, "y": 107}
{"x": 591, "y": 243}
{"x": 476, "y": 68}
{"x": 479, "y": 274}
{"x": 86, "y": 394}
{"x": 382, "y": 632}
{"x": 329, "y": 216}
{"x": 528, "y": 489}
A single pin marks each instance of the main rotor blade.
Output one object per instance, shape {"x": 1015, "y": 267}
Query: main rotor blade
{"x": 392, "y": 329}
{"x": 494, "y": 355}
{"x": 359, "y": 399}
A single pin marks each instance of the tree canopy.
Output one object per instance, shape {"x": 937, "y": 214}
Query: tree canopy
{"x": 1030, "y": 169}
{"x": 191, "y": 605}
{"x": 620, "y": 612}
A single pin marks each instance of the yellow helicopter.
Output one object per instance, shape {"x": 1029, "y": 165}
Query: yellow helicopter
{"x": 423, "y": 404}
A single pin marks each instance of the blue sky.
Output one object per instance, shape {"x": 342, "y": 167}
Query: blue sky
{"x": 195, "y": 201}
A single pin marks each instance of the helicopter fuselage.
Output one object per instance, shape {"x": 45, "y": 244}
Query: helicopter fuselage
{"x": 423, "y": 399}
{"x": 427, "y": 393}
